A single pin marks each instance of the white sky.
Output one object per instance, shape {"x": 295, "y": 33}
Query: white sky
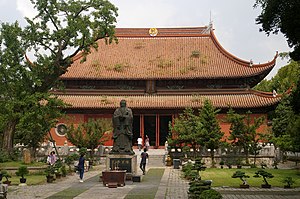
{"x": 233, "y": 21}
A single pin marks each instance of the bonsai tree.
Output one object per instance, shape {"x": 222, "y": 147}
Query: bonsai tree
{"x": 289, "y": 182}
{"x": 265, "y": 175}
{"x": 5, "y": 174}
{"x": 22, "y": 171}
{"x": 241, "y": 175}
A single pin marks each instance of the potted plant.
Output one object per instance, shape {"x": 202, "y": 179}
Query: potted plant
{"x": 50, "y": 173}
{"x": 241, "y": 175}
{"x": 5, "y": 174}
{"x": 22, "y": 171}
{"x": 265, "y": 175}
{"x": 289, "y": 182}
{"x": 222, "y": 164}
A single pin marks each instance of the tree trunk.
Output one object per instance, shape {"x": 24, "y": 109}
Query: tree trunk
{"x": 8, "y": 136}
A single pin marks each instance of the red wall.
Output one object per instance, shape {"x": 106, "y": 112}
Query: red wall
{"x": 77, "y": 118}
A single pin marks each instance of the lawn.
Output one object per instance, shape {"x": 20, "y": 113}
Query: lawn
{"x": 31, "y": 179}
{"x": 222, "y": 177}
{"x": 19, "y": 163}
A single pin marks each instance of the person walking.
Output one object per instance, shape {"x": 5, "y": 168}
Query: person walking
{"x": 81, "y": 167}
{"x": 144, "y": 157}
{"x": 140, "y": 142}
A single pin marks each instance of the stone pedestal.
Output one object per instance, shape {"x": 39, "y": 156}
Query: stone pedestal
{"x": 122, "y": 162}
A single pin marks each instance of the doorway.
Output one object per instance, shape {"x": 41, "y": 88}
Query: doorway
{"x": 150, "y": 129}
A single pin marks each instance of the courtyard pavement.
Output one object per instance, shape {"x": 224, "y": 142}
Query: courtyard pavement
{"x": 169, "y": 185}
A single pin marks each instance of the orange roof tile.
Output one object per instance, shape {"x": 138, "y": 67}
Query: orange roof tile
{"x": 250, "y": 99}
{"x": 175, "y": 53}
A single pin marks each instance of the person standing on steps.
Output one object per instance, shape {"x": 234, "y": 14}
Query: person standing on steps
{"x": 144, "y": 157}
{"x": 147, "y": 142}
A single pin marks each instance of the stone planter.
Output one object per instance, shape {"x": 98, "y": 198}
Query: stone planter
{"x": 266, "y": 186}
{"x": 244, "y": 186}
{"x": 114, "y": 177}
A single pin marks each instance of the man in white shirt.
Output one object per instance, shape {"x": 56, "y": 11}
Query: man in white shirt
{"x": 140, "y": 142}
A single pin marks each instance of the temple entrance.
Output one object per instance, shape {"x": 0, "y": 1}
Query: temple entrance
{"x": 150, "y": 129}
{"x": 155, "y": 126}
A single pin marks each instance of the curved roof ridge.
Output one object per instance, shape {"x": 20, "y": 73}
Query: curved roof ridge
{"x": 265, "y": 94}
{"x": 239, "y": 60}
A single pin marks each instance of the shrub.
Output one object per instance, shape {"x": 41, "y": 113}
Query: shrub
{"x": 22, "y": 171}
{"x": 289, "y": 182}
{"x": 210, "y": 194}
{"x": 241, "y": 175}
{"x": 264, "y": 174}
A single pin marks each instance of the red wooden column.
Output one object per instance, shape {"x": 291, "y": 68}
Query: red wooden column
{"x": 157, "y": 130}
{"x": 142, "y": 126}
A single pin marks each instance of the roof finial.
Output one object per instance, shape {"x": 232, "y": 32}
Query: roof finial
{"x": 210, "y": 25}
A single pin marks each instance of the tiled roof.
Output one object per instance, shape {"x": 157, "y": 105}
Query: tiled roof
{"x": 175, "y": 53}
{"x": 252, "y": 99}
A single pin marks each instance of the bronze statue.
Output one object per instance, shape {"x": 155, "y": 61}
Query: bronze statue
{"x": 122, "y": 133}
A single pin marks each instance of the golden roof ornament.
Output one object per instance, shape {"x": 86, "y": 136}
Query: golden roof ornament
{"x": 153, "y": 32}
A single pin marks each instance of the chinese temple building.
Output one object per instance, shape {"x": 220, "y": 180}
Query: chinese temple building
{"x": 160, "y": 72}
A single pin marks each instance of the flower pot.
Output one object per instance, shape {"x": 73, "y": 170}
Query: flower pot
{"x": 266, "y": 186}
{"x": 244, "y": 186}
{"x": 50, "y": 179}
{"x": 22, "y": 180}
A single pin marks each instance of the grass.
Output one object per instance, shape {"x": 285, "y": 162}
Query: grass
{"x": 19, "y": 163}
{"x": 222, "y": 177}
{"x": 31, "y": 179}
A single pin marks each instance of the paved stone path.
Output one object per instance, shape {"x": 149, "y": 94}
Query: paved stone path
{"x": 167, "y": 186}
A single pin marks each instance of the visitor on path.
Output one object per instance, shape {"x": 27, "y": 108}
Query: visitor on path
{"x": 147, "y": 143}
{"x": 51, "y": 159}
{"x": 144, "y": 157}
{"x": 140, "y": 142}
{"x": 81, "y": 167}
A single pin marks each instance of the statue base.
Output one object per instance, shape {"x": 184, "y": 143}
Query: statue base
{"x": 122, "y": 162}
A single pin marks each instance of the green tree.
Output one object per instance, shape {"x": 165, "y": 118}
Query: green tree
{"x": 37, "y": 121}
{"x": 254, "y": 137}
{"x": 285, "y": 78}
{"x": 59, "y": 31}
{"x": 187, "y": 130}
{"x": 90, "y": 134}
{"x": 211, "y": 130}
{"x": 243, "y": 132}
{"x": 237, "y": 130}
{"x": 283, "y": 16}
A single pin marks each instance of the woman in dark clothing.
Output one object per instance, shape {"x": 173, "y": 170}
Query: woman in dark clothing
{"x": 81, "y": 167}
